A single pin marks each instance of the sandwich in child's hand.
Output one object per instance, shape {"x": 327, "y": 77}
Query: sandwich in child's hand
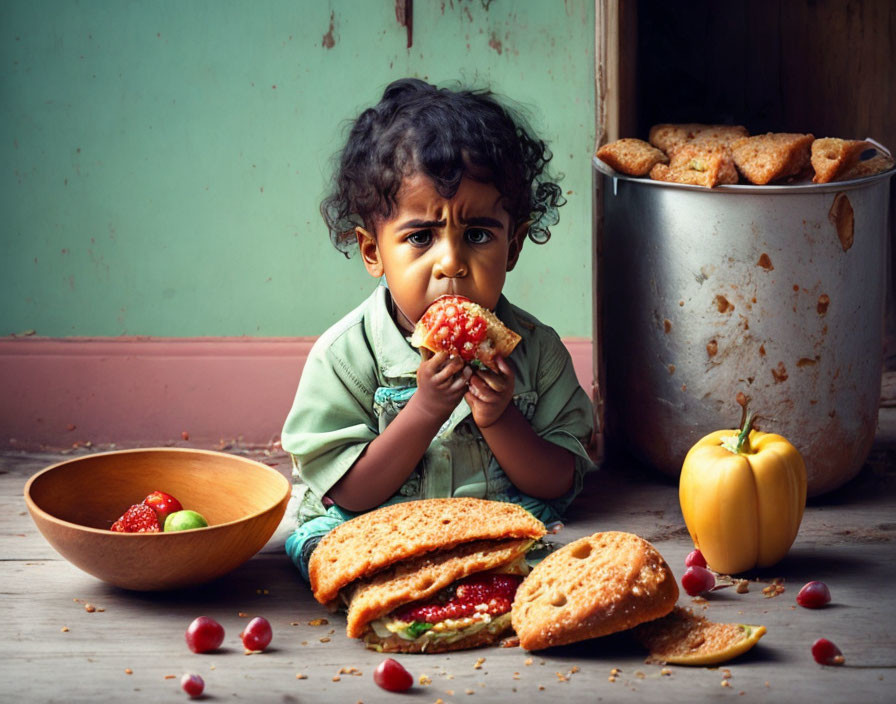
{"x": 426, "y": 576}
{"x": 594, "y": 586}
{"x": 464, "y": 329}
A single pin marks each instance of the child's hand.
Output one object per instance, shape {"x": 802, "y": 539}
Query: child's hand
{"x": 490, "y": 393}
{"x": 441, "y": 383}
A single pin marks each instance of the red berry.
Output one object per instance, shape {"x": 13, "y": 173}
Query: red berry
{"x": 695, "y": 558}
{"x": 137, "y": 519}
{"x": 192, "y": 684}
{"x": 163, "y": 504}
{"x": 204, "y": 634}
{"x": 391, "y": 675}
{"x": 826, "y": 653}
{"x": 814, "y": 595}
{"x": 697, "y": 580}
{"x": 257, "y": 634}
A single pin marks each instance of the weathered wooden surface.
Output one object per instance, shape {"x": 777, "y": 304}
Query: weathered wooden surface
{"x": 846, "y": 540}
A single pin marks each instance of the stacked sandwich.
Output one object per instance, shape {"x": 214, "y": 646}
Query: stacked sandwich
{"x": 426, "y": 576}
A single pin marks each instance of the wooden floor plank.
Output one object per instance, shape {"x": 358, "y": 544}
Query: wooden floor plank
{"x": 846, "y": 540}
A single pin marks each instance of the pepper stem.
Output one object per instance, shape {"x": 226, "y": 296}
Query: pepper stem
{"x": 740, "y": 444}
{"x": 743, "y": 439}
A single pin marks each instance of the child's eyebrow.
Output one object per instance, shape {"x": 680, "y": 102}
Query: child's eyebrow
{"x": 474, "y": 222}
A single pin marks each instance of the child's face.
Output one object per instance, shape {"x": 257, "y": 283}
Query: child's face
{"x": 434, "y": 245}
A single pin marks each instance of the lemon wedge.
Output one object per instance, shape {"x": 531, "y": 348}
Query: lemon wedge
{"x": 684, "y": 638}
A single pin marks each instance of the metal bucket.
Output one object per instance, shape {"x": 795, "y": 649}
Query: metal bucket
{"x": 774, "y": 291}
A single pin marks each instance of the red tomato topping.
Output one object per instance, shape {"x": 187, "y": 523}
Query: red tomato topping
{"x": 494, "y": 591}
{"x": 453, "y": 328}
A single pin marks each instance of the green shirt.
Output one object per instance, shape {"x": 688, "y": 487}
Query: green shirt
{"x": 361, "y": 372}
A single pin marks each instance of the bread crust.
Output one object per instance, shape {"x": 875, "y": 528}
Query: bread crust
{"x": 685, "y": 638}
{"x": 698, "y": 163}
{"x": 668, "y": 136}
{"x": 373, "y": 541}
{"x": 634, "y": 157}
{"x": 594, "y": 586}
{"x": 831, "y": 157}
{"x": 773, "y": 156}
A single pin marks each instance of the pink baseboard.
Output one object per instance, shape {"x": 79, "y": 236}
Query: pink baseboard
{"x": 205, "y": 392}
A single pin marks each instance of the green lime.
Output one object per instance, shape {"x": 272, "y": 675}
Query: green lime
{"x": 184, "y": 520}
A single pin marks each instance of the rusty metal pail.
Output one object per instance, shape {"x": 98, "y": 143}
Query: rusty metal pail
{"x": 774, "y": 291}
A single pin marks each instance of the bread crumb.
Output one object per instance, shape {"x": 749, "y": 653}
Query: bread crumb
{"x": 318, "y": 622}
{"x": 528, "y": 662}
{"x": 242, "y": 614}
{"x": 774, "y": 589}
{"x": 478, "y": 664}
{"x": 349, "y": 670}
{"x": 324, "y": 640}
{"x": 170, "y": 677}
{"x": 611, "y": 678}
{"x": 726, "y": 683}
{"x": 666, "y": 672}
{"x": 425, "y": 679}
{"x": 336, "y": 678}
{"x": 64, "y": 629}
{"x": 89, "y": 608}
{"x": 128, "y": 671}
{"x": 470, "y": 691}
{"x": 301, "y": 676}
{"x": 561, "y": 677}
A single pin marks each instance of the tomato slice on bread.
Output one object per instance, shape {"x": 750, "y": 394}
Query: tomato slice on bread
{"x": 462, "y": 328}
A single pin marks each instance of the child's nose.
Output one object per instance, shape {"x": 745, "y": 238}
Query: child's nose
{"x": 450, "y": 263}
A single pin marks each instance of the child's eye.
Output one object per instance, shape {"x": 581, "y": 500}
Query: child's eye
{"x": 477, "y": 235}
{"x": 421, "y": 238}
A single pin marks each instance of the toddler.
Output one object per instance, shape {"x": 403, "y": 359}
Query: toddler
{"x": 437, "y": 190}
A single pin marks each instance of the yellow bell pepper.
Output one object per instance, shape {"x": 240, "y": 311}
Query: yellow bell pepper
{"x": 742, "y": 495}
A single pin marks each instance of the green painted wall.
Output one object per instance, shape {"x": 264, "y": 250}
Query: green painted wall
{"x": 164, "y": 160}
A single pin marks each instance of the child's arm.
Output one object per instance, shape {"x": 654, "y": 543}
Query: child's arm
{"x": 388, "y": 460}
{"x": 536, "y": 466}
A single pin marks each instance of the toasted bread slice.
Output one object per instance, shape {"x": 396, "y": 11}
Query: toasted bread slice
{"x": 684, "y": 638}
{"x": 868, "y": 167}
{"x": 634, "y": 157}
{"x": 698, "y": 163}
{"x": 669, "y": 136}
{"x": 594, "y": 586}
{"x": 773, "y": 156}
{"x": 832, "y": 157}
{"x": 462, "y": 328}
{"x": 374, "y": 541}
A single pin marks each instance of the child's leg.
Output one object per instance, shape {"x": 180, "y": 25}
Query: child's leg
{"x": 301, "y": 543}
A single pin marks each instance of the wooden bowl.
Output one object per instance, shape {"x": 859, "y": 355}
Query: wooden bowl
{"x": 75, "y": 502}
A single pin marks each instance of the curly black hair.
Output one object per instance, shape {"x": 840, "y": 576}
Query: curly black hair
{"x": 444, "y": 134}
